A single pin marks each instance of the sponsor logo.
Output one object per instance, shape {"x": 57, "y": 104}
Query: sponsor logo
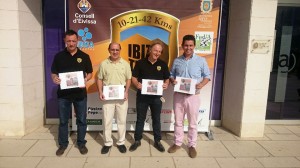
{"x": 94, "y": 110}
{"x": 206, "y": 6}
{"x": 94, "y": 121}
{"x": 85, "y": 41}
{"x": 136, "y": 29}
{"x": 84, "y": 6}
{"x": 204, "y": 42}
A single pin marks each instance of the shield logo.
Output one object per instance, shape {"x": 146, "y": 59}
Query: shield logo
{"x": 84, "y": 6}
{"x": 79, "y": 60}
{"x": 206, "y": 6}
{"x": 136, "y": 29}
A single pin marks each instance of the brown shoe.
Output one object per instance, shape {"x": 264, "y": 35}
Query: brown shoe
{"x": 173, "y": 148}
{"x": 83, "y": 150}
{"x": 60, "y": 150}
{"x": 192, "y": 152}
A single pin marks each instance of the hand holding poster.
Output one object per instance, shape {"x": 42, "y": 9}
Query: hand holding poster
{"x": 152, "y": 87}
{"x": 185, "y": 85}
{"x": 113, "y": 92}
{"x": 71, "y": 80}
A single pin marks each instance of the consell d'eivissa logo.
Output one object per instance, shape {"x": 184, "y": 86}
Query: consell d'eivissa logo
{"x": 84, "y": 6}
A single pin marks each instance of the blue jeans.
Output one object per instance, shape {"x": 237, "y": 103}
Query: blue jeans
{"x": 142, "y": 104}
{"x": 64, "y": 111}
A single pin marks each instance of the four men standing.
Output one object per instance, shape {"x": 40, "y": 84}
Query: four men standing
{"x": 116, "y": 71}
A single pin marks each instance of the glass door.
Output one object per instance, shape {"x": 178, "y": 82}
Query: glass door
{"x": 284, "y": 85}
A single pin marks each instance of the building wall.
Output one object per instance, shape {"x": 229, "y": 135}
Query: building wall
{"x": 22, "y": 98}
{"x": 247, "y": 74}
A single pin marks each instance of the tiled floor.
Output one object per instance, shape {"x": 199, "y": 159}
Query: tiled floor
{"x": 280, "y": 147}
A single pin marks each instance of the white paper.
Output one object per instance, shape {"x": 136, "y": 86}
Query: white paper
{"x": 113, "y": 92}
{"x": 185, "y": 85}
{"x": 71, "y": 80}
{"x": 152, "y": 87}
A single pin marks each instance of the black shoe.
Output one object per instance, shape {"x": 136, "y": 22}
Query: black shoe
{"x": 135, "y": 145}
{"x": 82, "y": 149}
{"x": 105, "y": 149}
{"x": 60, "y": 150}
{"x": 159, "y": 146}
{"x": 122, "y": 148}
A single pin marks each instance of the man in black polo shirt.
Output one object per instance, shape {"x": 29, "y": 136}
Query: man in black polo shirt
{"x": 149, "y": 68}
{"x": 71, "y": 59}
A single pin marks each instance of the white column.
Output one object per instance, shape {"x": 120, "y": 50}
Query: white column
{"x": 22, "y": 97}
{"x": 247, "y": 71}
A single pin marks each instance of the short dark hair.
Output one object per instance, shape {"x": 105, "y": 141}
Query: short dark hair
{"x": 70, "y": 32}
{"x": 188, "y": 37}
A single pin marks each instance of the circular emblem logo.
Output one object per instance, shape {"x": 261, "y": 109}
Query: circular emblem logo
{"x": 158, "y": 68}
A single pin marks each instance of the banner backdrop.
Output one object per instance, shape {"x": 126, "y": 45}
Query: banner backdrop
{"x": 135, "y": 24}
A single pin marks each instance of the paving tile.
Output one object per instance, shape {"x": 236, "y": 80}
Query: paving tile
{"x": 245, "y": 149}
{"x": 219, "y": 130}
{"x": 295, "y": 128}
{"x": 287, "y": 137}
{"x": 152, "y": 162}
{"x": 170, "y": 135}
{"x": 45, "y": 148}
{"x": 108, "y": 162}
{"x": 269, "y": 130}
{"x": 11, "y": 137}
{"x": 264, "y": 138}
{"x": 94, "y": 149}
{"x": 88, "y": 136}
{"x": 279, "y": 162}
{"x": 282, "y": 148}
{"x": 238, "y": 162}
{"x": 11, "y": 147}
{"x": 281, "y": 129}
{"x": 41, "y": 135}
{"x": 62, "y": 162}
{"x": 187, "y": 162}
{"x": 18, "y": 162}
{"x": 224, "y": 136}
{"x": 44, "y": 128}
{"x": 211, "y": 149}
{"x": 128, "y": 136}
{"x": 54, "y": 128}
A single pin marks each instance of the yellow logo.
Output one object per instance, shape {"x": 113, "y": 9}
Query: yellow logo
{"x": 79, "y": 60}
{"x": 134, "y": 30}
{"x": 158, "y": 68}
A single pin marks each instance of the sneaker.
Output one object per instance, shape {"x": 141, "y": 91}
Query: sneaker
{"x": 60, "y": 150}
{"x": 159, "y": 146}
{"x": 83, "y": 150}
{"x": 122, "y": 148}
{"x": 192, "y": 152}
{"x": 135, "y": 145}
{"x": 173, "y": 148}
{"x": 105, "y": 149}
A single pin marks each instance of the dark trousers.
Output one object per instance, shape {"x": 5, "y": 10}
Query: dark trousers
{"x": 64, "y": 110}
{"x": 142, "y": 104}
